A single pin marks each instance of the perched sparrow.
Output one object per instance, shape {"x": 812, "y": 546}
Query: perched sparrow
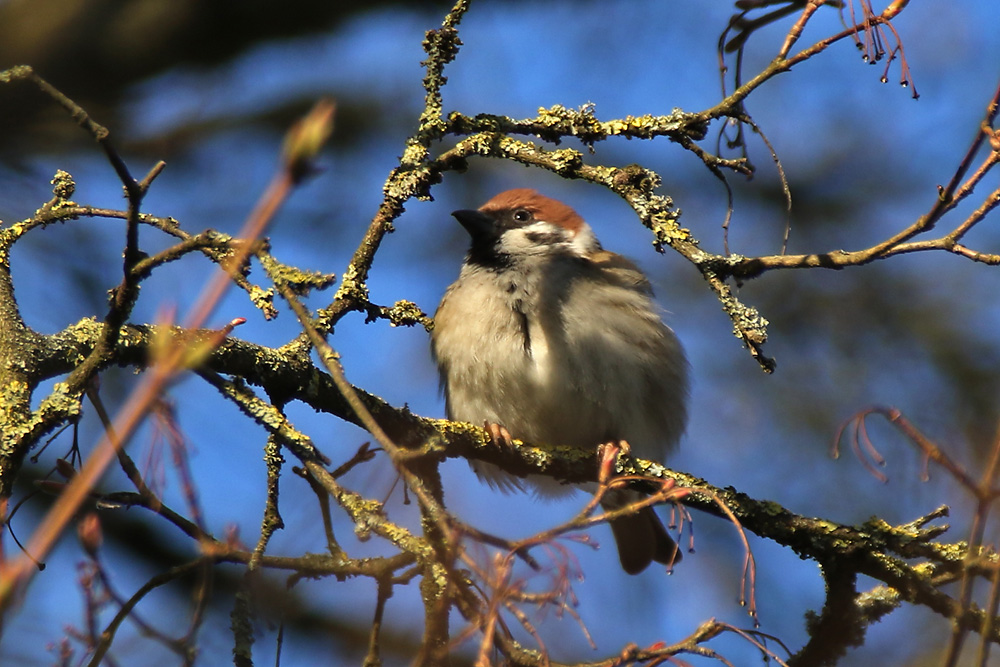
{"x": 547, "y": 338}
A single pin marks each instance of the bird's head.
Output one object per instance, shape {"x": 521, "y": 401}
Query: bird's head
{"x": 519, "y": 224}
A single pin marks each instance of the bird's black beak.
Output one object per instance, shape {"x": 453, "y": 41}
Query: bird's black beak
{"x": 481, "y": 227}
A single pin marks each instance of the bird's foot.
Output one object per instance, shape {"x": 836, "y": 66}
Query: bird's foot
{"x": 499, "y": 435}
{"x": 607, "y": 456}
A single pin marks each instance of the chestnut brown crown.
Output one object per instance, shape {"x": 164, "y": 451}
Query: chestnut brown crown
{"x": 541, "y": 207}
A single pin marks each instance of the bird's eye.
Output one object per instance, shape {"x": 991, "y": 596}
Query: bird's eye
{"x": 522, "y": 215}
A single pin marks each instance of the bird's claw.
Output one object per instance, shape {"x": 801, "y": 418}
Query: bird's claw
{"x": 499, "y": 435}
{"x": 607, "y": 455}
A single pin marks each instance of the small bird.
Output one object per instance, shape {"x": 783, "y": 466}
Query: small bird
{"x": 548, "y": 338}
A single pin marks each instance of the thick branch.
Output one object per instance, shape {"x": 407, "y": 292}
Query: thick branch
{"x": 875, "y": 549}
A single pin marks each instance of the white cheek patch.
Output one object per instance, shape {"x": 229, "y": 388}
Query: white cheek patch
{"x": 538, "y": 237}
{"x": 544, "y": 237}
{"x": 584, "y": 242}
